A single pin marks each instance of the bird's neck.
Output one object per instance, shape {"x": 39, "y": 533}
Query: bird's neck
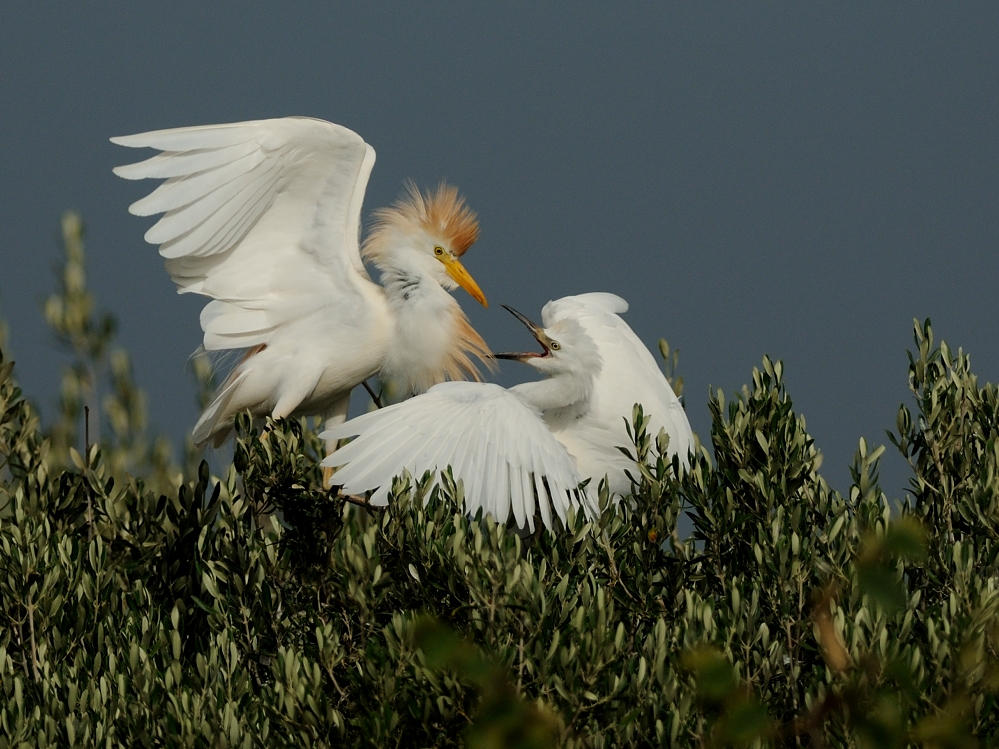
{"x": 556, "y": 395}
{"x": 406, "y": 282}
{"x": 426, "y": 321}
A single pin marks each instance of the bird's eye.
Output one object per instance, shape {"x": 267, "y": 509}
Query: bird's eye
{"x": 554, "y": 345}
{"x": 439, "y": 251}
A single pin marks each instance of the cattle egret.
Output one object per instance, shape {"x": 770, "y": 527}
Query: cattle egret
{"x": 507, "y": 446}
{"x": 593, "y": 428}
{"x": 264, "y": 218}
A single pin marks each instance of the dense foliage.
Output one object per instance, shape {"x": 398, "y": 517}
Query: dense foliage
{"x": 142, "y": 604}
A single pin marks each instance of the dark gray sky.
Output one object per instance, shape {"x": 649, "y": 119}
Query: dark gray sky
{"x": 798, "y": 180}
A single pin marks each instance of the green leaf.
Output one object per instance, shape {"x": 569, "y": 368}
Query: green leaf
{"x": 906, "y": 539}
{"x": 879, "y": 582}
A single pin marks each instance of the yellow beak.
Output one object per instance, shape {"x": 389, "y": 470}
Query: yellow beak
{"x": 461, "y": 277}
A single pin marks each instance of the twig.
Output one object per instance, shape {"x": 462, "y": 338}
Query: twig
{"x": 812, "y": 722}
{"x": 329, "y": 671}
{"x": 931, "y": 443}
{"x": 34, "y": 648}
{"x": 20, "y": 642}
{"x": 790, "y": 665}
{"x": 520, "y": 664}
{"x": 615, "y": 575}
{"x": 86, "y": 459}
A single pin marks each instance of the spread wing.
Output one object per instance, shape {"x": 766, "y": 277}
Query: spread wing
{"x": 261, "y": 216}
{"x": 629, "y": 375}
{"x": 494, "y": 442}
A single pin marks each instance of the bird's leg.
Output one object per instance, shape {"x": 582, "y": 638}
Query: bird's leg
{"x": 374, "y": 398}
{"x": 336, "y": 415}
{"x": 359, "y": 501}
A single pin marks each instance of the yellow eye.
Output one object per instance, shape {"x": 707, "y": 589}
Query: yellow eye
{"x": 439, "y": 251}
{"x": 554, "y": 346}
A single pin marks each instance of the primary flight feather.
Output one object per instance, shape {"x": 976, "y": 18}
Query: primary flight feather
{"x": 264, "y": 218}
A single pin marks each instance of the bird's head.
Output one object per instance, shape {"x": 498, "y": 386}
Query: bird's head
{"x": 566, "y": 348}
{"x": 429, "y": 230}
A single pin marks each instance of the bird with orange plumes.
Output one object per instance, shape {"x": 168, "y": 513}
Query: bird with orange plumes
{"x": 263, "y": 217}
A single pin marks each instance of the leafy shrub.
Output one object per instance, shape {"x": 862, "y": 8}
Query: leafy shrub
{"x": 175, "y": 608}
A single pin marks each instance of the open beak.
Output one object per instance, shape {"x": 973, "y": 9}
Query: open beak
{"x": 536, "y": 331}
{"x": 462, "y": 277}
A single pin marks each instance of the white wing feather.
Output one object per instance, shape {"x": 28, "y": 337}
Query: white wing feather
{"x": 495, "y": 443}
{"x": 263, "y": 217}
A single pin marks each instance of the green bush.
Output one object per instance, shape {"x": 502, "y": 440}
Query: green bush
{"x": 142, "y": 604}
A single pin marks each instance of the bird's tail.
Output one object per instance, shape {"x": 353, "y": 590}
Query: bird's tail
{"x": 215, "y": 423}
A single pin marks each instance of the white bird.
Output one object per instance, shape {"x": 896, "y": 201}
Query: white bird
{"x": 508, "y": 445}
{"x": 593, "y": 428}
{"x": 264, "y": 218}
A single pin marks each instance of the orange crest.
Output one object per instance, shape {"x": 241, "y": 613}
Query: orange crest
{"x": 458, "y": 364}
{"x": 441, "y": 214}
